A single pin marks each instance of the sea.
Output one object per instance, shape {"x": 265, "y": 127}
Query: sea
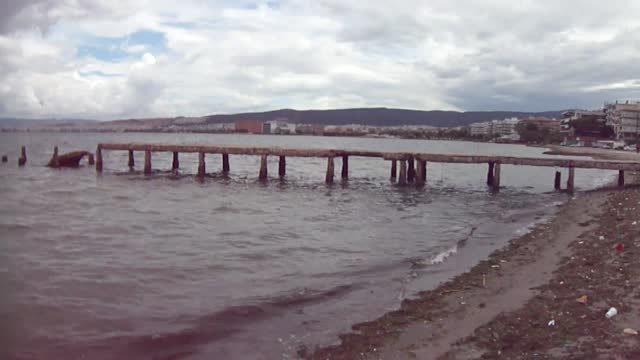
{"x": 120, "y": 265}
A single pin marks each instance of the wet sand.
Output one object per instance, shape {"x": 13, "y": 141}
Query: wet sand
{"x": 502, "y": 307}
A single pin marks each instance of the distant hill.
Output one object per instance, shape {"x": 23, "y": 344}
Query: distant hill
{"x": 363, "y": 116}
{"x": 17, "y": 123}
{"x": 379, "y": 116}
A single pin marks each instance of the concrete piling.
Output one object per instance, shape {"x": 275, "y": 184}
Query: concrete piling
{"x": 345, "y": 167}
{"x": 147, "y": 162}
{"x": 570, "y": 180}
{"x": 490, "y": 173}
{"x": 23, "y": 156}
{"x": 402, "y": 179}
{"x": 225, "y": 164}
{"x": 263, "y": 168}
{"x": 621, "y": 178}
{"x": 411, "y": 171}
{"x": 420, "y": 173}
{"x": 99, "y": 159}
{"x": 202, "y": 169}
{"x": 175, "y": 163}
{"x": 496, "y": 176}
{"x": 330, "y": 170}
{"x": 394, "y": 169}
{"x": 132, "y": 162}
{"x": 282, "y": 166}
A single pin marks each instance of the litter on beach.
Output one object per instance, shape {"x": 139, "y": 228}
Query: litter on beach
{"x": 630, "y": 331}
{"x": 611, "y": 313}
{"x": 552, "y": 323}
{"x": 582, "y": 299}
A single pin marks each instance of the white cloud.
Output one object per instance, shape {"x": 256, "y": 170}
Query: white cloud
{"x": 224, "y": 56}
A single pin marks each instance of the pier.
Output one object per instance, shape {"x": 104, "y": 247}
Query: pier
{"x": 412, "y": 166}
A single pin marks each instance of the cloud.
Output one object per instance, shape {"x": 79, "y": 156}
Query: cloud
{"x": 110, "y": 59}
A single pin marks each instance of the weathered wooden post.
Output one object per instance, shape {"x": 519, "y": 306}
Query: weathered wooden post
{"x": 175, "y": 164}
{"x": 411, "y": 171}
{"x": 424, "y": 171}
{"x": 4, "y": 158}
{"x": 201, "y": 165}
{"x": 330, "y": 170}
{"x": 345, "y": 167}
{"x": 54, "y": 159}
{"x": 147, "y": 162}
{"x": 23, "y": 157}
{"x": 420, "y": 180}
{"x": 557, "y": 181}
{"x": 394, "y": 167}
{"x": 132, "y": 162}
{"x": 570, "y": 180}
{"x": 92, "y": 160}
{"x": 496, "y": 176}
{"x": 621, "y": 178}
{"x": 490, "y": 173}
{"x": 282, "y": 166}
{"x": 263, "y": 168}
{"x": 99, "y": 158}
{"x": 402, "y": 179}
{"x": 225, "y": 163}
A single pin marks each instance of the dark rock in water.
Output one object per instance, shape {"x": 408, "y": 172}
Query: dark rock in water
{"x": 23, "y": 157}
{"x": 71, "y": 159}
{"x": 4, "y": 158}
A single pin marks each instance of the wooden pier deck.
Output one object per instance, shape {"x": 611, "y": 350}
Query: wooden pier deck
{"x": 413, "y": 165}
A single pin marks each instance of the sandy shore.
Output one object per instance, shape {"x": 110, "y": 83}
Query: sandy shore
{"x": 596, "y": 153}
{"x": 502, "y": 307}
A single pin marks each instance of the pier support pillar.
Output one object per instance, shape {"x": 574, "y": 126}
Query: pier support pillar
{"x": 91, "y": 160}
{"x": 263, "y": 168}
{"x": 557, "y": 181}
{"x": 411, "y": 171}
{"x": 202, "y": 166}
{"x": 570, "y": 180}
{"x": 621, "y": 178}
{"x": 490, "y": 174}
{"x": 225, "y": 163}
{"x": 496, "y": 176}
{"x": 330, "y": 170}
{"x": 147, "y": 162}
{"x": 420, "y": 173}
{"x": 99, "y": 159}
{"x": 175, "y": 164}
{"x": 402, "y": 179}
{"x": 54, "y": 159}
{"x": 345, "y": 167}
{"x": 282, "y": 166}
{"x": 394, "y": 169}
{"x": 132, "y": 162}
{"x": 23, "y": 156}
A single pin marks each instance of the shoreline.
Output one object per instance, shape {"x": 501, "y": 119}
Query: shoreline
{"x": 468, "y": 316}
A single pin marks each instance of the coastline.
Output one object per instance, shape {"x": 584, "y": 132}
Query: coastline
{"x": 502, "y": 306}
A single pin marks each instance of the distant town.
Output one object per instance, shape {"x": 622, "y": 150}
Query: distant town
{"x": 615, "y": 125}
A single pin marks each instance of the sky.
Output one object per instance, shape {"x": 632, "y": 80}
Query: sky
{"x": 113, "y": 59}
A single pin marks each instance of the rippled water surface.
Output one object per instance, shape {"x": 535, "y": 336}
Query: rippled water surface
{"x": 123, "y": 266}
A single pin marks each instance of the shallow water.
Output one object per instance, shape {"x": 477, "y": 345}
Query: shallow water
{"x": 120, "y": 265}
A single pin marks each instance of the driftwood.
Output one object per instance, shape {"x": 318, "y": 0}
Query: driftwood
{"x": 69, "y": 160}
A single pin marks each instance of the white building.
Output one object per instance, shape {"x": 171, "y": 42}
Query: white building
{"x": 480, "y": 129}
{"x": 625, "y": 119}
{"x": 506, "y": 127}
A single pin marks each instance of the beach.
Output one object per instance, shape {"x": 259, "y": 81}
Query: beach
{"x": 544, "y": 295}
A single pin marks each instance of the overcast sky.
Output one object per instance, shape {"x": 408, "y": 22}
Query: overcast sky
{"x": 108, "y": 59}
